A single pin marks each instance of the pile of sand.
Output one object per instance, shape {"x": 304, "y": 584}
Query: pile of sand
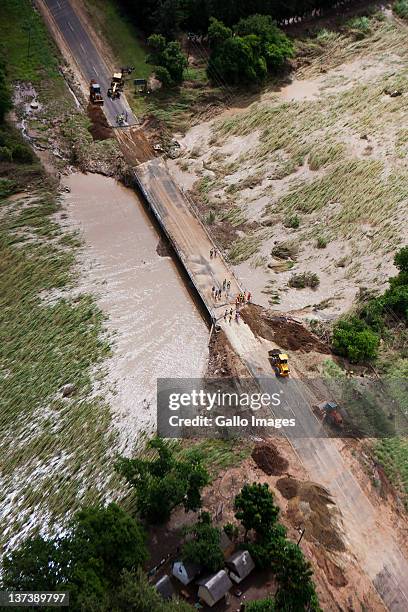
{"x": 267, "y": 457}
{"x": 312, "y": 507}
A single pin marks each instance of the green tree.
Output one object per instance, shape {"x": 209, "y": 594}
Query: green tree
{"x": 35, "y": 565}
{"x": 267, "y": 550}
{"x": 237, "y": 61}
{"x": 401, "y": 259}
{"x": 261, "y": 605}
{"x": 100, "y": 543}
{"x": 168, "y": 58}
{"x": 255, "y": 508}
{"x": 136, "y": 594}
{"x": 111, "y": 536}
{"x": 204, "y": 548}
{"x": 218, "y": 32}
{"x": 352, "y": 338}
{"x": 296, "y": 590}
{"x": 163, "y": 483}
{"x": 5, "y": 93}
{"x": 275, "y": 46}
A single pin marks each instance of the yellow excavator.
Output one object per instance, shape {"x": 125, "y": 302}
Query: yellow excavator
{"x": 279, "y": 362}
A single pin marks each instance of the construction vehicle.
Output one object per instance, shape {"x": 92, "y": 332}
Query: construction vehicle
{"x": 329, "y": 412}
{"x": 118, "y": 82}
{"x": 95, "y": 96}
{"x": 279, "y": 362}
{"x": 116, "y": 86}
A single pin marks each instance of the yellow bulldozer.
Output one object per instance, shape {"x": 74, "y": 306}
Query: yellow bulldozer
{"x": 95, "y": 96}
{"x": 279, "y": 362}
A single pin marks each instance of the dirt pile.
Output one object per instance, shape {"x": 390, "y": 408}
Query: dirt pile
{"x": 223, "y": 361}
{"x": 268, "y": 458}
{"x": 311, "y": 506}
{"x": 99, "y": 128}
{"x": 287, "y": 333}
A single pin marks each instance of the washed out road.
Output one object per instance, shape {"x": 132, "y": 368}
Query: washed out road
{"x": 84, "y": 52}
{"x": 373, "y": 544}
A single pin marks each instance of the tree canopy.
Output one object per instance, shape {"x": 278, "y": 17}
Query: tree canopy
{"x": 204, "y": 547}
{"x": 100, "y": 543}
{"x": 164, "y": 482}
{"x": 256, "y": 47}
{"x": 5, "y": 94}
{"x": 255, "y": 508}
{"x": 168, "y": 59}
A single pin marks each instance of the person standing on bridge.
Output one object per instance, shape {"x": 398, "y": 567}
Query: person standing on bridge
{"x": 228, "y": 286}
{"x": 225, "y": 315}
{"x": 211, "y": 253}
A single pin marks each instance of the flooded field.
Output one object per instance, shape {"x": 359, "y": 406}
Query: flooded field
{"x": 157, "y": 328}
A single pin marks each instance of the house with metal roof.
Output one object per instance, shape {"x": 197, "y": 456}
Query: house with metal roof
{"x": 185, "y": 571}
{"x": 213, "y": 588}
{"x": 240, "y": 565}
{"x": 164, "y": 587}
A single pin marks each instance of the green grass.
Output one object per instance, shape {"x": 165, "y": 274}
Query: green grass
{"x": 400, "y": 8}
{"x": 120, "y": 34}
{"x": 17, "y": 19}
{"x": 53, "y": 449}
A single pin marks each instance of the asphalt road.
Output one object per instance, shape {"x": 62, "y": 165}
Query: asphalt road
{"x": 87, "y": 57}
{"x": 373, "y": 544}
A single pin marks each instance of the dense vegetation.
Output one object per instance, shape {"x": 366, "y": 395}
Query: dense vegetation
{"x": 5, "y": 94}
{"x": 162, "y": 483}
{"x": 357, "y": 337}
{"x": 169, "y": 16}
{"x": 248, "y": 52}
{"x": 98, "y": 561}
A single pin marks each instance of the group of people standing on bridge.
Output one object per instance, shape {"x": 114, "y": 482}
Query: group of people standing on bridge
{"x": 217, "y": 292}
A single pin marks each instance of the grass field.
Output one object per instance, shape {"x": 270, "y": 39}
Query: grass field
{"x": 25, "y": 43}
{"x": 120, "y": 34}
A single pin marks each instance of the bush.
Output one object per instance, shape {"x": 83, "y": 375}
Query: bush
{"x": 231, "y": 531}
{"x": 360, "y": 27}
{"x": 401, "y": 8}
{"x": 5, "y": 93}
{"x": 321, "y": 242}
{"x": 22, "y": 154}
{"x": 168, "y": 58}
{"x": 292, "y": 221}
{"x": 401, "y": 259}
{"x": 304, "y": 279}
{"x": 205, "y": 548}
{"x": 261, "y": 605}
{"x": 352, "y": 338}
{"x": 5, "y": 154}
{"x": 7, "y": 187}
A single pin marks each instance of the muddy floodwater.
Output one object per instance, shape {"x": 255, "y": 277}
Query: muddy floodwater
{"x": 158, "y": 329}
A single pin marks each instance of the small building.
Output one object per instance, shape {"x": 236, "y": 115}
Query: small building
{"x": 164, "y": 587}
{"x": 185, "y": 571}
{"x": 140, "y": 85}
{"x": 213, "y": 588}
{"x": 240, "y": 565}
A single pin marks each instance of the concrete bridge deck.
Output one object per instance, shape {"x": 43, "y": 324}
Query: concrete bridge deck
{"x": 192, "y": 243}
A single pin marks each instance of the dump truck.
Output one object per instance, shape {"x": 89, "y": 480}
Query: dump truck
{"x": 329, "y": 413}
{"x": 95, "y": 96}
{"x": 279, "y": 362}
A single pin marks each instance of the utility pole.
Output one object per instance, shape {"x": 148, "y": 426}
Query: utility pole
{"x": 302, "y": 533}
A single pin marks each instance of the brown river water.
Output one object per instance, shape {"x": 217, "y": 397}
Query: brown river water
{"x": 158, "y": 329}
